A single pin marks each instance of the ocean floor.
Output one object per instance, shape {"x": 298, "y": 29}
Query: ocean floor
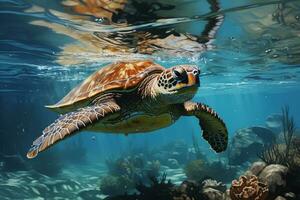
{"x": 78, "y": 182}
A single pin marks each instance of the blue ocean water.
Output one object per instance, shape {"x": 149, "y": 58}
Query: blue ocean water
{"x": 250, "y": 69}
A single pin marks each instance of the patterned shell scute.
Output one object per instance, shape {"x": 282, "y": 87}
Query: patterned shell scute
{"x": 116, "y": 76}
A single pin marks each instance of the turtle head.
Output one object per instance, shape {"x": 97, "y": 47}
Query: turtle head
{"x": 179, "y": 83}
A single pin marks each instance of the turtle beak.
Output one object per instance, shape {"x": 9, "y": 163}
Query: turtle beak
{"x": 193, "y": 78}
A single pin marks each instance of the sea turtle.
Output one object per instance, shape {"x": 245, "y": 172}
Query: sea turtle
{"x": 132, "y": 97}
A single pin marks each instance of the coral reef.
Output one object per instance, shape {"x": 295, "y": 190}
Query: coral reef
{"x": 248, "y": 188}
{"x": 187, "y": 190}
{"x": 210, "y": 183}
{"x": 199, "y": 169}
{"x": 115, "y": 185}
{"x": 194, "y": 168}
{"x": 165, "y": 190}
{"x": 213, "y": 190}
{"x": 282, "y": 182}
{"x": 158, "y": 189}
{"x": 125, "y": 173}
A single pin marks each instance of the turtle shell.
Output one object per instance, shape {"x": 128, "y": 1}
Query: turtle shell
{"x": 120, "y": 76}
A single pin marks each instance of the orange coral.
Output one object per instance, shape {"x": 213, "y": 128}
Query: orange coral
{"x": 248, "y": 189}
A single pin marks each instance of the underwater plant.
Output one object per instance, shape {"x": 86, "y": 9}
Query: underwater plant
{"x": 153, "y": 168}
{"x": 286, "y": 152}
{"x": 116, "y": 185}
{"x": 248, "y": 188}
{"x": 199, "y": 169}
{"x": 162, "y": 189}
{"x": 194, "y": 169}
{"x": 158, "y": 189}
{"x": 296, "y": 144}
{"x": 130, "y": 170}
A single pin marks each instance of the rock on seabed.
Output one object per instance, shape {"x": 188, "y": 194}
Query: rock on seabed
{"x": 275, "y": 176}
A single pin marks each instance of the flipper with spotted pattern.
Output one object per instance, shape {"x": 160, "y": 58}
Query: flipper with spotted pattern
{"x": 69, "y": 124}
{"x": 214, "y": 129}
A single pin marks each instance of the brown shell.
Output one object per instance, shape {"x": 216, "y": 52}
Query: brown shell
{"x": 117, "y": 76}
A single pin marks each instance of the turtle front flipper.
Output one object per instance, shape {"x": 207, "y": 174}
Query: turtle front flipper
{"x": 71, "y": 123}
{"x": 214, "y": 129}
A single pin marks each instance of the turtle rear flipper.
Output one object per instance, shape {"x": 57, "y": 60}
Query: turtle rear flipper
{"x": 71, "y": 123}
{"x": 214, "y": 129}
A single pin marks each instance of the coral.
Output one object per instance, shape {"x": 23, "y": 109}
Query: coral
{"x": 119, "y": 166}
{"x": 199, "y": 169}
{"x": 188, "y": 190}
{"x": 152, "y": 168}
{"x": 158, "y": 189}
{"x": 210, "y": 183}
{"x": 194, "y": 169}
{"x": 115, "y": 185}
{"x": 248, "y": 188}
{"x": 161, "y": 189}
{"x": 213, "y": 190}
{"x": 131, "y": 170}
{"x": 279, "y": 178}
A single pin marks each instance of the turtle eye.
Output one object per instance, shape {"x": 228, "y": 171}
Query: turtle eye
{"x": 181, "y": 75}
{"x": 177, "y": 73}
